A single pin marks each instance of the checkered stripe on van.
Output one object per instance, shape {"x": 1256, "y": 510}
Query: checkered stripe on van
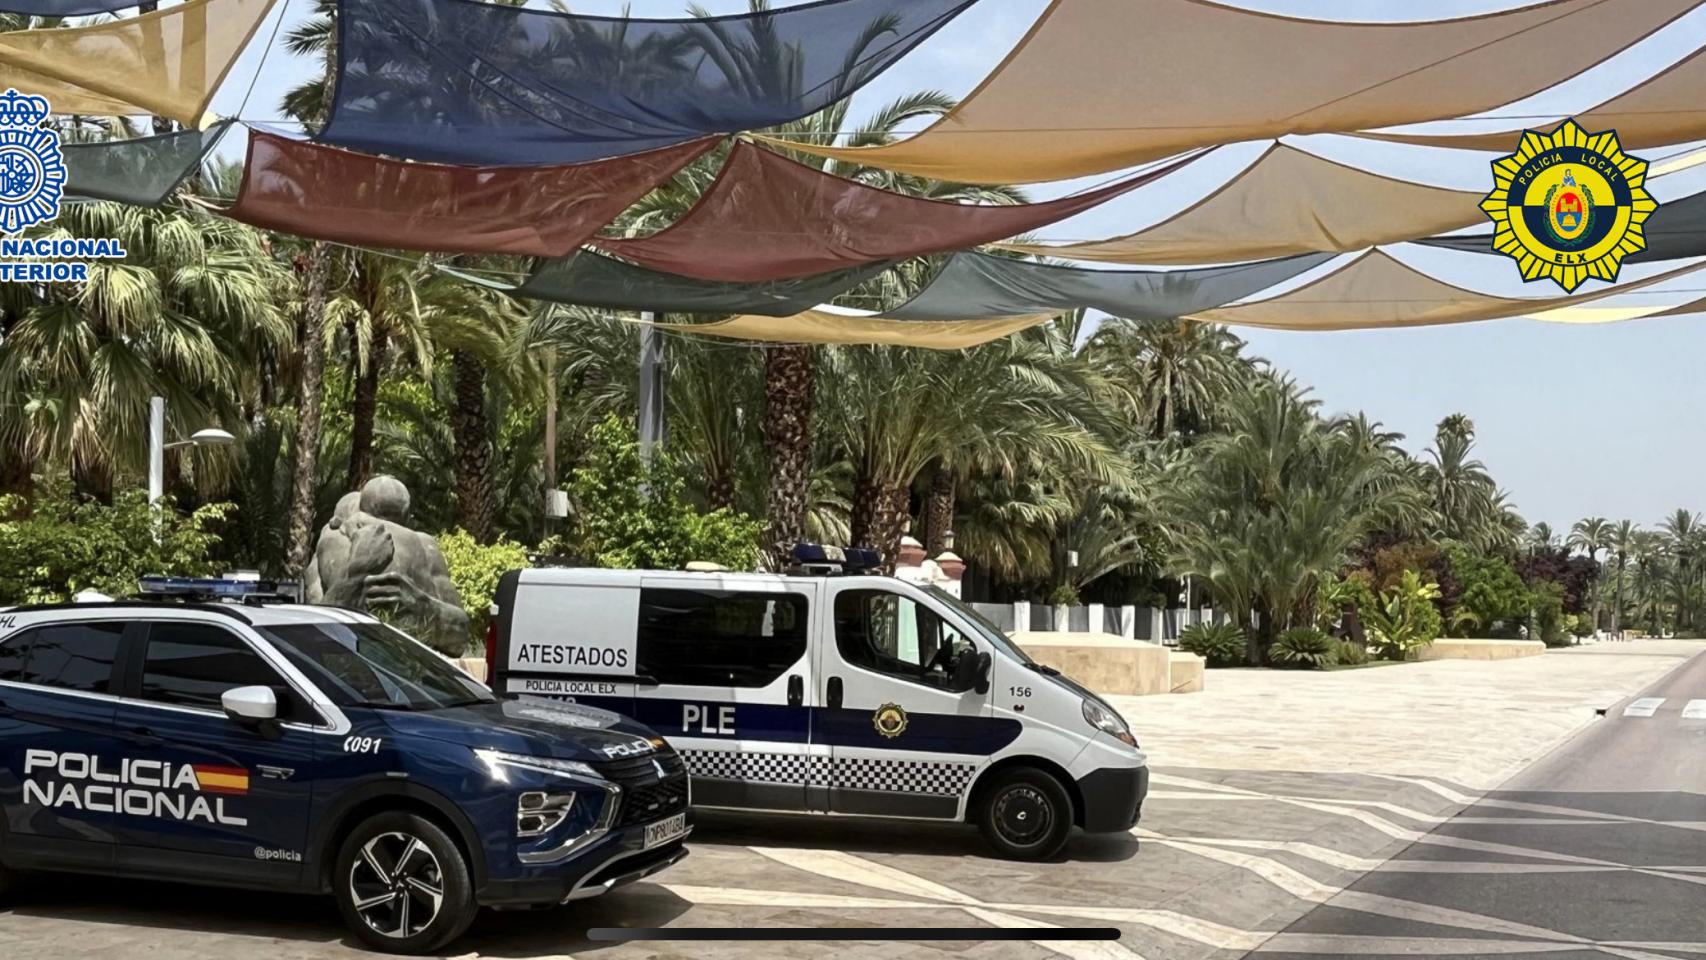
{"x": 755, "y": 767}
{"x": 899, "y": 776}
{"x": 902, "y": 776}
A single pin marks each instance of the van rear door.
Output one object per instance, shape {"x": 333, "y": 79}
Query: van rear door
{"x": 568, "y": 641}
{"x": 731, "y": 661}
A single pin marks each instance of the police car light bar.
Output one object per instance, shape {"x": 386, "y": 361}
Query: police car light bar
{"x": 819, "y": 558}
{"x": 207, "y": 588}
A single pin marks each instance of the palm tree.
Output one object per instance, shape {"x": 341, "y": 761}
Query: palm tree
{"x": 1625, "y": 540}
{"x": 1465, "y": 498}
{"x": 1685, "y": 533}
{"x": 1590, "y": 535}
{"x": 193, "y": 314}
{"x": 1652, "y": 576}
{"x": 1171, "y": 375}
{"x": 1542, "y": 537}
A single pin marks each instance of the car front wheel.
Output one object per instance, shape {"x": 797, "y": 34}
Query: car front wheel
{"x": 402, "y": 885}
{"x": 1025, "y": 814}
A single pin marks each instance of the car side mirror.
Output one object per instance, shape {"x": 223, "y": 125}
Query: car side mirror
{"x": 251, "y": 706}
{"x": 971, "y": 672}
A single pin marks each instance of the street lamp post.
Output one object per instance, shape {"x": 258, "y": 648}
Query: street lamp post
{"x": 157, "y": 445}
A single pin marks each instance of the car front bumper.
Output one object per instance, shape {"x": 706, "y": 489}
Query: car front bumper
{"x": 1113, "y": 798}
{"x": 620, "y": 858}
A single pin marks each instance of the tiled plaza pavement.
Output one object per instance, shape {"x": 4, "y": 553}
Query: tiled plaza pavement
{"x": 1273, "y": 792}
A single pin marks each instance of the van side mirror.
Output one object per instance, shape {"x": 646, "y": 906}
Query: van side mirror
{"x": 971, "y": 672}
{"x": 255, "y": 707}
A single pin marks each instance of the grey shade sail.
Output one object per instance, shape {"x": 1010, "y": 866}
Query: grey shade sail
{"x": 142, "y": 172}
{"x": 590, "y": 280}
{"x": 977, "y": 285}
{"x": 1676, "y": 230}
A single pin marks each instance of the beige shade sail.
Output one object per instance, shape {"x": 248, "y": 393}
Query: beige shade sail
{"x": 1285, "y": 203}
{"x": 168, "y": 63}
{"x": 1668, "y": 108}
{"x": 1100, "y": 85}
{"x": 1376, "y": 290}
{"x": 829, "y": 326}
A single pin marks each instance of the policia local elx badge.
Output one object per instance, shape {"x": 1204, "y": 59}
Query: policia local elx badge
{"x": 1569, "y": 205}
{"x": 890, "y": 720}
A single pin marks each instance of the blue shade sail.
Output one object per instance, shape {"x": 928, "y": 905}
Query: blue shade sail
{"x": 1677, "y": 229}
{"x": 462, "y": 81}
{"x": 142, "y": 172}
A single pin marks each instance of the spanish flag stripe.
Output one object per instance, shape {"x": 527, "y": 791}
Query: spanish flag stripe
{"x": 222, "y": 779}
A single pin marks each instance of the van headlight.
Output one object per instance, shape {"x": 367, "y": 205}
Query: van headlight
{"x": 498, "y": 764}
{"x": 1108, "y": 722}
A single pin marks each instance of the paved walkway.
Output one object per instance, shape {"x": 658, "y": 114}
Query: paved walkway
{"x": 1274, "y": 791}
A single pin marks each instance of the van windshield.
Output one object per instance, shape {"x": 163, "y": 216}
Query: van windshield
{"x": 986, "y": 628}
{"x": 373, "y": 665}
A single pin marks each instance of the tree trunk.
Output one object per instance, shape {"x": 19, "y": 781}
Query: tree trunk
{"x": 719, "y": 485}
{"x": 364, "y": 405}
{"x": 939, "y": 510}
{"x": 1617, "y": 602}
{"x": 790, "y": 392}
{"x": 862, "y": 518}
{"x": 299, "y": 534}
{"x": 881, "y": 512}
{"x": 15, "y": 473}
{"x": 473, "y": 447}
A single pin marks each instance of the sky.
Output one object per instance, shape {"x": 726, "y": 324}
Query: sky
{"x": 1573, "y": 420}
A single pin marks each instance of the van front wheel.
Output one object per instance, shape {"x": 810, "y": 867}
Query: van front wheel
{"x": 402, "y": 885}
{"x": 1025, "y": 814}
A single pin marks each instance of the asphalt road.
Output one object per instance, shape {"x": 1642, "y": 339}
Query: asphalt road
{"x": 1597, "y": 850}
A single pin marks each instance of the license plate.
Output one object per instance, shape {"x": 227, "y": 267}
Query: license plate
{"x": 665, "y": 830}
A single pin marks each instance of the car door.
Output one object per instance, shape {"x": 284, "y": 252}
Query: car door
{"x": 58, "y": 747}
{"x": 231, "y": 799}
{"x": 902, "y": 743}
{"x": 731, "y": 665}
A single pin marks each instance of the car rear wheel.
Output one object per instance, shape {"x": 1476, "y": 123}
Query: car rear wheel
{"x": 402, "y": 885}
{"x": 1025, "y": 814}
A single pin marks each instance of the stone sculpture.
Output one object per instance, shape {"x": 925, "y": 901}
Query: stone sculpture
{"x": 368, "y": 558}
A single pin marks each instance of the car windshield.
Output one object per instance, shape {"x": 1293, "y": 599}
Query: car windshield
{"x": 373, "y": 665}
{"x": 986, "y": 628}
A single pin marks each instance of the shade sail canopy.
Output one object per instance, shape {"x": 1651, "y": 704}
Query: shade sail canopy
{"x": 589, "y": 280}
{"x": 142, "y": 172}
{"x": 1677, "y": 229}
{"x": 1376, "y": 290}
{"x": 1666, "y": 108}
{"x": 980, "y": 286}
{"x": 1287, "y": 202}
{"x": 463, "y": 81}
{"x": 332, "y": 194}
{"x": 1099, "y": 85}
{"x": 831, "y": 326}
{"x": 168, "y": 63}
{"x": 767, "y": 218}
{"x": 63, "y": 8}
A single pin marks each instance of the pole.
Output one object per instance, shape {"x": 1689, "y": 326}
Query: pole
{"x": 156, "y": 449}
{"x": 653, "y": 429}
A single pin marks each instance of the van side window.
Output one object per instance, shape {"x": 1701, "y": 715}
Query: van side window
{"x": 71, "y": 656}
{"x": 719, "y": 638}
{"x": 894, "y": 635}
{"x": 193, "y": 664}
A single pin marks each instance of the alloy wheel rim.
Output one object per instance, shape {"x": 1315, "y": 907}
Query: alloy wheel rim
{"x": 396, "y": 885}
{"x": 1024, "y": 816}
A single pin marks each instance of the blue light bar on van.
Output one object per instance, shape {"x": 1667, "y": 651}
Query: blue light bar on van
{"x": 205, "y": 587}
{"x": 828, "y": 559}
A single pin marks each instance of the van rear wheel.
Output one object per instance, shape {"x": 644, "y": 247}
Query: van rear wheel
{"x": 402, "y": 885}
{"x": 1025, "y": 814}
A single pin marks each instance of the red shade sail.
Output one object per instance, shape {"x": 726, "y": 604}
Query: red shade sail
{"x": 332, "y": 194}
{"x": 769, "y": 218}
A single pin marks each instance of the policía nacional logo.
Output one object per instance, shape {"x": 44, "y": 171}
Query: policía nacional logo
{"x": 890, "y": 720}
{"x": 1569, "y": 205}
{"x": 32, "y": 168}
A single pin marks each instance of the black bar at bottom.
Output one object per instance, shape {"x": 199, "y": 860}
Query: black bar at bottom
{"x": 895, "y": 934}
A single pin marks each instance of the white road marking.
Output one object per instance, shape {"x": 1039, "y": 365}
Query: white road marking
{"x": 1644, "y": 707}
{"x": 1696, "y": 710}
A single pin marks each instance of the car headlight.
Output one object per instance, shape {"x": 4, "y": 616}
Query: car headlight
{"x": 1108, "y": 722}
{"x": 498, "y": 764}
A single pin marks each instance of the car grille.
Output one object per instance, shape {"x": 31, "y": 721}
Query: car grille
{"x": 646, "y": 796}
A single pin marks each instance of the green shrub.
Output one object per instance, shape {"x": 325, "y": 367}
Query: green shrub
{"x": 1548, "y": 618}
{"x": 1304, "y": 647}
{"x": 475, "y": 569}
{"x": 1065, "y": 595}
{"x": 55, "y": 544}
{"x": 1405, "y": 619}
{"x": 1219, "y": 644}
{"x": 1349, "y": 653}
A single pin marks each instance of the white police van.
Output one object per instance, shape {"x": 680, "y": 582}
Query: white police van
{"x": 827, "y": 690}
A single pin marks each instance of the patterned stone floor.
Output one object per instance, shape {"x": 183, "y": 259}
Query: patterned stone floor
{"x": 1274, "y": 793}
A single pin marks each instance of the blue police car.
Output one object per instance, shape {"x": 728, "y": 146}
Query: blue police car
{"x": 309, "y": 749}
